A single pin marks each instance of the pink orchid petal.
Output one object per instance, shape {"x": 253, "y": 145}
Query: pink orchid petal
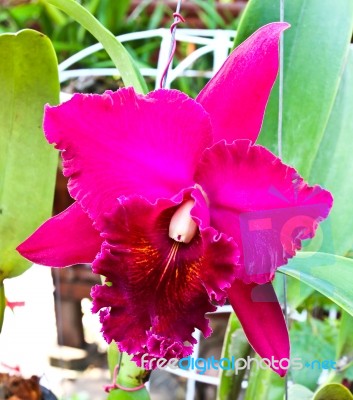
{"x": 261, "y": 316}
{"x": 263, "y": 204}
{"x": 237, "y": 95}
{"x": 66, "y": 239}
{"x": 221, "y": 256}
{"x": 123, "y": 143}
{"x": 158, "y": 292}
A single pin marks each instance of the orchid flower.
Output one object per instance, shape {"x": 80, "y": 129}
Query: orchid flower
{"x": 179, "y": 209}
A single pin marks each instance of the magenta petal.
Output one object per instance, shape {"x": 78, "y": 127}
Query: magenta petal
{"x": 237, "y": 95}
{"x": 261, "y": 316}
{"x": 66, "y": 239}
{"x": 123, "y": 143}
{"x": 221, "y": 256}
{"x": 263, "y": 204}
{"x": 157, "y": 295}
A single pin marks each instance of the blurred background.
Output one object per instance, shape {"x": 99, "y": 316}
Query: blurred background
{"x": 120, "y": 17}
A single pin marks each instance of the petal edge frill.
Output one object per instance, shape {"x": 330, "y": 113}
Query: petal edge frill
{"x": 123, "y": 143}
{"x": 263, "y": 204}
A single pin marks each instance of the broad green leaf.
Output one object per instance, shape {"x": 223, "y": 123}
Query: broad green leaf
{"x": 112, "y": 12}
{"x": 333, "y": 391}
{"x": 333, "y": 167}
{"x": 315, "y": 51}
{"x": 235, "y": 345}
{"x": 28, "y": 80}
{"x": 345, "y": 337}
{"x": 328, "y": 274}
{"x": 259, "y": 384}
{"x": 262, "y": 383}
{"x": 118, "y": 394}
{"x": 299, "y": 392}
{"x": 313, "y": 343}
{"x": 296, "y": 291}
{"x": 120, "y": 57}
{"x": 347, "y": 373}
{"x": 344, "y": 350}
{"x": 56, "y": 16}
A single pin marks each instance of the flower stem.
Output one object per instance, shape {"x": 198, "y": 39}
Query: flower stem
{"x": 129, "y": 376}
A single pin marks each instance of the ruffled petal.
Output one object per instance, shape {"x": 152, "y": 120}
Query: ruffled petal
{"x": 157, "y": 295}
{"x": 221, "y": 255}
{"x": 261, "y": 316}
{"x": 123, "y": 143}
{"x": 263, "y": 204}
{"x": 237, "y": 95}
{"x": 66, "y": 239}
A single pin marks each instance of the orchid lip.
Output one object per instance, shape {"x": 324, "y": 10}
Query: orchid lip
{"x": 170, "y": 259}
{"x": 182, "y": 227}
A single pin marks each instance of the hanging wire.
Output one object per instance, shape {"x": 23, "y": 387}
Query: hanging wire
{"x": 280, "y": 105}
{"x": 280, "y": 153}
{"x": 177, "y": 19}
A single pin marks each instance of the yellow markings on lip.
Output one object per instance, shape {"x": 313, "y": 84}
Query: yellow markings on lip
{"x": 169, "y": 259}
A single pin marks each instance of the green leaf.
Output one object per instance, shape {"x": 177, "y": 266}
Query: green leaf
{"x": 315, "y": 51}
{"x": 262, "y": 382}
{"x": 328, "y": 274}
{"x": 121, "y": 58}
{"x": 259, "y": 384}
{"x": 28, "y": 80}
{"x": 333, "y": 391}
{"x": 344, "y": 350}
{"x": 345, "y": 337}
{"x": 310, "y": 341}
{"x": 277, "y": 386}
{"x": 118, "y": 394}
{"x": 299, "y": 392}
{"x": 297, "y": 292}
{"x": 333, "y": 166}
{"x": 56, "y": 16}
{"x": 235, "y": 345}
